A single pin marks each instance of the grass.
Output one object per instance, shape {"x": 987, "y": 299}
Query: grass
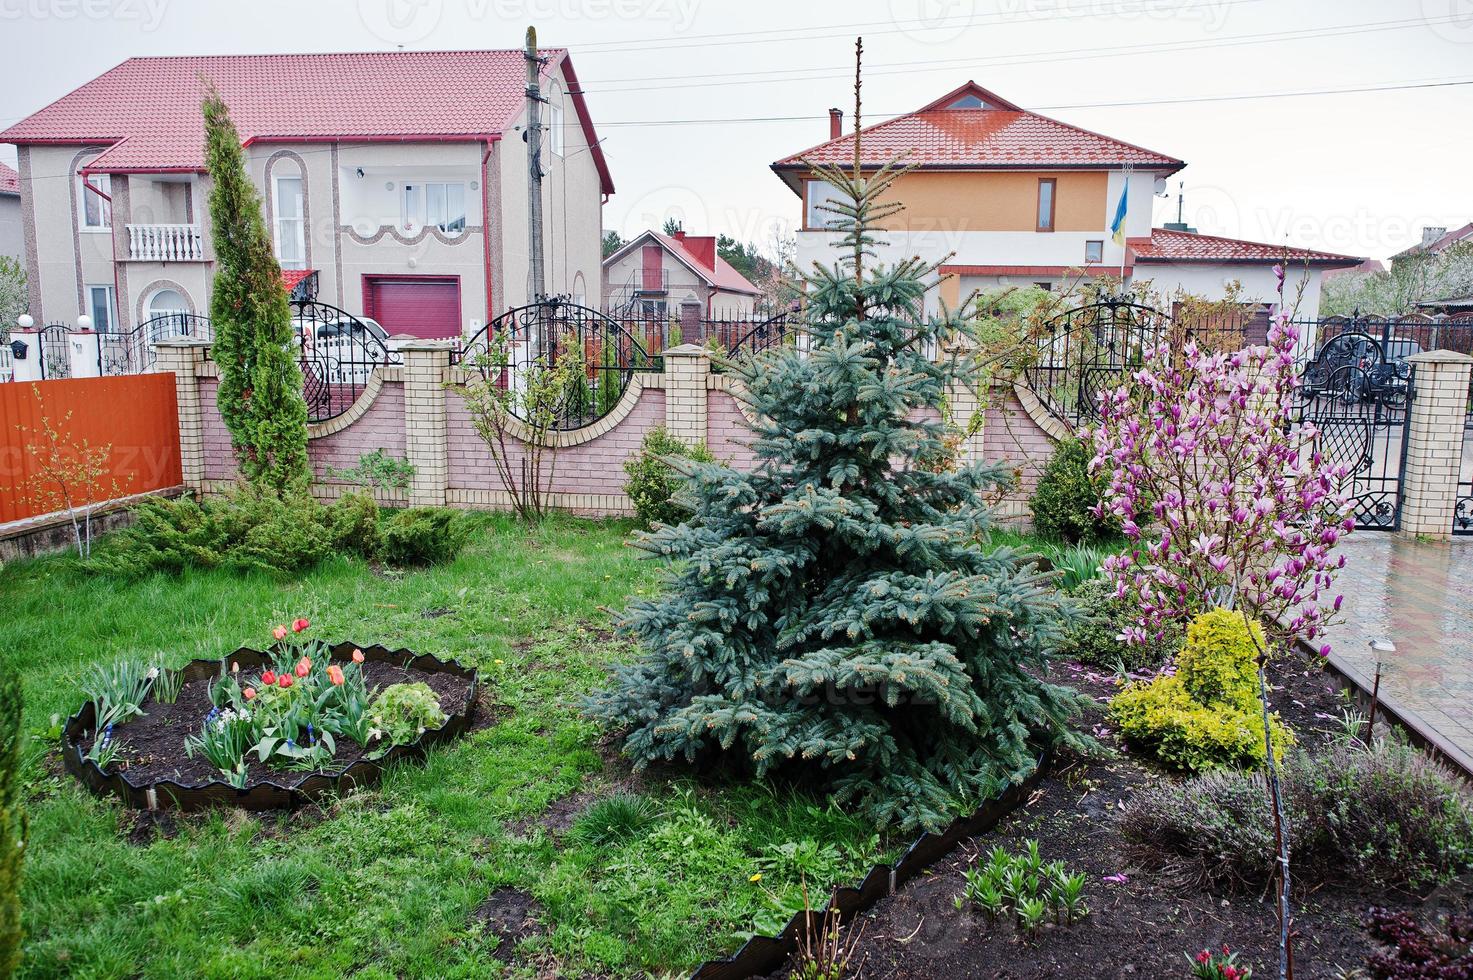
{"x": 387, "y": 883}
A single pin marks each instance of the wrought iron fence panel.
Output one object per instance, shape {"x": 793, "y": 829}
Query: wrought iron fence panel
{"x": 338, "y": 353}
{"x": 132, "y": 351}
{"x": 1087, "y": 350}
{"x": 537, "y": 336}
{"x": 748, "y": 338}
{"x": 56, "y": 351}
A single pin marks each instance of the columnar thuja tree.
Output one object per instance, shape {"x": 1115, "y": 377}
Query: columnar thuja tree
{"x": 260, "y": 395}
{"x": 1244, "y": 509}
{"x": 830, "y": 612}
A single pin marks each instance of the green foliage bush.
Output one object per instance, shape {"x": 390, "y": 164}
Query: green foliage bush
{"x": 13, "y": 830}
{"x": 1094, "y": 638}
{"x": 653, "y": 482}
{"x": 1065, "y": 493}
{"x": 401, "y": 713}
{"x": 249, "y": 528}
{"x": 1208, "y": 714}
{"x": 423, "y": 536}
{"x": 1387, "y": 815}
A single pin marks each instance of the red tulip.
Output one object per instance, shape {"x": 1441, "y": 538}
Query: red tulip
{"x": 299, "y": 624}
{"x": 249, "y": 693}
{"x": 304, "y": 667}
{"x": 357, "y": 656}
{"x": 279, "y": 632}
{"x": 284, "y": 681}
{"x": 335, "y": 674}
{"x": 268, "y": 678}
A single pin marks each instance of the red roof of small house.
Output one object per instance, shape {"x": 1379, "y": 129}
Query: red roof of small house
{"x": 1168, "y": 247}
{"x": 9, "y": 180}
{"x": 698, "y": 253}
{"x": 993, "y": 135}
{"x": 147, "y": 110}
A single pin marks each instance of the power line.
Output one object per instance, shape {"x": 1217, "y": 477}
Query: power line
{"x": 1030, "y": 57}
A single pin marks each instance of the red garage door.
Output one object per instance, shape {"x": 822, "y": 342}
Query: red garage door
{"x": 424, "y": 306}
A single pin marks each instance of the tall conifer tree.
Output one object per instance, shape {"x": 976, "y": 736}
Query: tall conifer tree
{"x": 260, "y": 394}
{"x": 831, "y": 612}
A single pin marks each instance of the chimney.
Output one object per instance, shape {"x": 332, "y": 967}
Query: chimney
{"x": 1430, "y": 235}
{"x": 679, "y": 235}
{"x": 836, "y": 123}
{"x": 702, "y": 248}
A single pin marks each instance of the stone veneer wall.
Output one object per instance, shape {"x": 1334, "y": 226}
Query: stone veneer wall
{"x": 420, "y": 420}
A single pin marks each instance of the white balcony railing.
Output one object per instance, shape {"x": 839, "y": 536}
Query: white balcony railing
{"x": 165, "y": 243}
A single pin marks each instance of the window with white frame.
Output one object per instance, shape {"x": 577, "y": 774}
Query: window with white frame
{"x": 97, "y": 210}
{"x": 102, "y": 308}
{"x": 434, "y": 204}
{"x": 1094, "y": 251}
{"x": 290, "y": 215}
{"x": 819, "y": 193}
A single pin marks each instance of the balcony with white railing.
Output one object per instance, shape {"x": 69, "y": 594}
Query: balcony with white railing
{"x": 165, "y": 243}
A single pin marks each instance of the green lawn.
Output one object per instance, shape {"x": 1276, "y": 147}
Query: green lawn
{"x": 386, "y": 884}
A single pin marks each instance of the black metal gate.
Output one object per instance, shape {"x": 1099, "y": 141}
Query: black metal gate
{"x": 132, "y": 351}
{"x": 56, "y": 352}
{"x": 1087, "y": 350}
{"x": 1463, "y": 506}
{"x": 337, "y": 352}
{"x": 1357, "y": 392}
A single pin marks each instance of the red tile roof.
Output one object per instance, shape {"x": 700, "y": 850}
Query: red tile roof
{"x": 1171, "y": 247}
{"x": 9, "y": 180}
{"x": 1000, "y": 135}
{"x": 290, "y": 277}
{"x": 148, "y": 109}
{"x": 722, "y": 275}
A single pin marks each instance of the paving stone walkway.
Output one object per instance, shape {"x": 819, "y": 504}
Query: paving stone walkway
{"x": 1420, "y": 596}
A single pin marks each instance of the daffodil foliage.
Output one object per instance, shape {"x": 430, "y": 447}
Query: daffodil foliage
{"x": 830, "y": 613}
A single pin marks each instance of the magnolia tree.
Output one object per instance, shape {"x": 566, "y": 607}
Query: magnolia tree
{"x": 1244, "y": 509}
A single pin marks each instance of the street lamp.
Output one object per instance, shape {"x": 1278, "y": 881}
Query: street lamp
{"x": 25, "y": 321}
{"x": 1382, "y": 645}
{"x": 84, "y": 322}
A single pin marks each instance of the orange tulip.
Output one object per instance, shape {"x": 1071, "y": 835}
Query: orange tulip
{"x": 335, "y": 674}
{"x": 279, "y": 632}
{"x": 357, "y": 656}
{"x": 249, "y": 693}
{"x": 304, "y": 667}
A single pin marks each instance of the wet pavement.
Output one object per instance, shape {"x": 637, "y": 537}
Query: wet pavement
{"x": 1419, "y": 595}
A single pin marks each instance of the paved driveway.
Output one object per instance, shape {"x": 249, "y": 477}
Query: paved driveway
{"x": 1420, "y": 596}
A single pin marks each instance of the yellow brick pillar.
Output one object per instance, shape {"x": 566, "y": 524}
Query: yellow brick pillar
{"x": 182, "y": 357}
{"x": 687, "y": 375}
{"x": 426, "y": 443}
{"x": 1434, "y": 449}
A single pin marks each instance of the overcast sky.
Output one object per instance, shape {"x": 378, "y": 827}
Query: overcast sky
{"x": 670, "y": 82}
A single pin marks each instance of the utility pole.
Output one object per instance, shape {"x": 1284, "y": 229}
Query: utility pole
{"x": 537, "y": 286}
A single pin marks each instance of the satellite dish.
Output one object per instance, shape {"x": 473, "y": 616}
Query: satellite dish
{"x": 1160, "y": 186}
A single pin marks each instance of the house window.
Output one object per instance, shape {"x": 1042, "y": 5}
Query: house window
{"x": 291, "y": 244}
{"x": 440, "y": 205}
{"x": 555, "y": 121}
{"x": 1046, "y": 204}
{"x": 97, "y": 211}
{"x": 1094, "y": 251}
{"x": 818, "y": 193}
{"x": 1047, "y": 287}
{"x": 101, "y": 307}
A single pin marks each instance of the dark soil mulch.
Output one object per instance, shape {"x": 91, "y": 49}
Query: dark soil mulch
{"x": 1143, "y": 926}
{"x": 153, "y": 744}
{"x": 511, "y": 915}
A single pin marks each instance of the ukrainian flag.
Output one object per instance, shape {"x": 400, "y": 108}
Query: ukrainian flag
{"x": 1117, "y": 227}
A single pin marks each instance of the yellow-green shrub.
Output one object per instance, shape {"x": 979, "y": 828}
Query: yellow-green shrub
{"x": 1208, "y": 714}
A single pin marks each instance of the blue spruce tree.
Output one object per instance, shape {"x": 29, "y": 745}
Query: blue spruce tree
{"x": 830, "y": 614}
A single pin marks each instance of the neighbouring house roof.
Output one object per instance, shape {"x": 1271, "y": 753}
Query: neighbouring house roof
{"x": 147, "y": 110}
{"x": 1438, "y": 244}
{"x": 1451, "y": 303}
{"x": 1365, "y": 268}
{"x": 9, "y": 180}
{"x": 716, "y": 273}
{"x": 993, "y": 135}
{"x": 1167, "y": 247}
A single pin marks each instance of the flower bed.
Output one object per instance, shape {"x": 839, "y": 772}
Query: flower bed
{"x": 263, "y": 730}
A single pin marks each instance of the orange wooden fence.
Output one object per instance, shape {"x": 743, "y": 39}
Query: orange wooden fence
{"x": 134, "y": 417}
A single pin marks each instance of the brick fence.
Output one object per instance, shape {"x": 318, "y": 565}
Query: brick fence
{"x": 408, "y": 412}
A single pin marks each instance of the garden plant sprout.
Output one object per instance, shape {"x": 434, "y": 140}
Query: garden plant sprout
{"x": 117, "y": 690}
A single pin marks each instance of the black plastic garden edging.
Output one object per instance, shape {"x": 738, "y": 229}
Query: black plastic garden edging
{"x": 761, "y": 955}
{"x": 268, "y": 794}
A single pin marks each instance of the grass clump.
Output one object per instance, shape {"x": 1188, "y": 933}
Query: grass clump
{"x": 615, "y": 819}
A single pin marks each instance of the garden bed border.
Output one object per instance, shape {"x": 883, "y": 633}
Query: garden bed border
{"x": 269, "y": 794}
{"x": 761, "y": 955}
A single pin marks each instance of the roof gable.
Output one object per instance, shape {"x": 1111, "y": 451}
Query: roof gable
{"x": 147, "y": 110}
{"x": 995, "y": 135}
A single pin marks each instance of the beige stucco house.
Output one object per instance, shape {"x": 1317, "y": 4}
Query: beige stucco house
{"x": 654, "y": 274}
{"x": 399, "y": 178}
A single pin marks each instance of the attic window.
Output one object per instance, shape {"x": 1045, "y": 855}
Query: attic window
{"x": 968, "y": 102}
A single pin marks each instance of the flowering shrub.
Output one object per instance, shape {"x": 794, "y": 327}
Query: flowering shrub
{"x": 1208, "y": 965}
{"x": 1208, "y": 713}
